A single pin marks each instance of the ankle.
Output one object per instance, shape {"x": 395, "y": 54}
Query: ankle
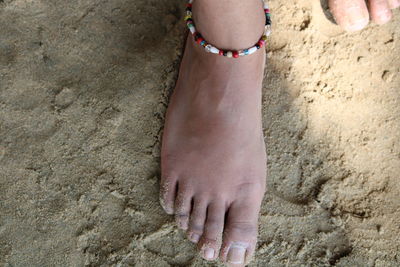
{"x": 230, "y": 24}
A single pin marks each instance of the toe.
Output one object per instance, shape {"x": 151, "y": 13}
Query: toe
{"x": 168, "y": 193}
{"x": 240, "y": 235}
{"x": 394, "y": 4}
{"x": 183, "y": 206}
{"x": 351, "y": 15}
{"x": 210, "y": 241}
{"x": 197, "y": 220}
{"x": 380, "y": 11}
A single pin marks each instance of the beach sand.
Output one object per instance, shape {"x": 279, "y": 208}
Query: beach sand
{"x": 84, "y": 86}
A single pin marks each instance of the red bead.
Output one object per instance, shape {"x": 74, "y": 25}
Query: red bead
{"x": 199, "y": 40}
{"x": 260, "y": 43}
{"x": 189, "y": 5}
{"x": 235, "y": 54}
{"x": 221, "y": 53}
{"x": 266, "y": 10}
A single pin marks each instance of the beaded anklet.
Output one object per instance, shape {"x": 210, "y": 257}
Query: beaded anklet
{"x": 235, "y": 54}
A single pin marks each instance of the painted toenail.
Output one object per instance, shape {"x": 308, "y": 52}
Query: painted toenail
{"x": 237, "y": 254}
{"x": 209, "y": 253}
{"x": 194, "y": 238}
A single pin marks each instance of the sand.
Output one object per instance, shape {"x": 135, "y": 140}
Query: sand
{"x": 84, "y": 86}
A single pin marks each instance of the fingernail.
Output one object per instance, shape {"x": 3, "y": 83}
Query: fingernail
{"x": 237, "y": 254}
{"x": 209, "y": 253}
{"x": 194, "y": 237}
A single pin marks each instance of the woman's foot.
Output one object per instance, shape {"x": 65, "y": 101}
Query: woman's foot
{"x": 354, "y": 15}
{"x": 213, "y": 153}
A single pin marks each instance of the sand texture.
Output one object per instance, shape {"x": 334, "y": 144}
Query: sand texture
{"x": 84, "y": 86}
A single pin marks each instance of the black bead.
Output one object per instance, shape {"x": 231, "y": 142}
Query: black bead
{"x": 197, "y": 36}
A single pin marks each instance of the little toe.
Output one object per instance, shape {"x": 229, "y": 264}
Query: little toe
{"x": 197, "y": 220}
{"x": 351, "y": 15}
{"x": 168, "y": 194}
{"x": 240, "y": 235}
{"x": 183, "y": 206}
{"x": 210, "y": 242}
{"x": 394, "y": 3}
{"x": 380, "y": 11}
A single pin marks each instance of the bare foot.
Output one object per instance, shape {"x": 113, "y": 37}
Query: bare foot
{"x": 213, "y": 153}
{"x": 354, "y": 15}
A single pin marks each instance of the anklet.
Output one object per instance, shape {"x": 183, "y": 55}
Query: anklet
{"x": 214, "y": 50}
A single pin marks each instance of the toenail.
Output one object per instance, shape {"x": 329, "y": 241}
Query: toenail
{"x": 194, "y": 237}
{"x": 209, "y": 253}
{"x": 356, "y": 19}
{"x": 237, "y": 254}
{"x": 356, "y": 22}
{"x": 384, "y": 15}
{"x": 167, "y": 209}
{"x": 183, "y": 224}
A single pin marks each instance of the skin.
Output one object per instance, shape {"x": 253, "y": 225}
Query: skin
{"x": 354, "y": 15}
{"x": 213, "y": 160}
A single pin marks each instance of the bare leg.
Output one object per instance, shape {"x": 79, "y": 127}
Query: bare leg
{"x": 213, "y": 153}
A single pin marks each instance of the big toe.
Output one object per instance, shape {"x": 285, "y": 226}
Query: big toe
{"x": 351, "y": 15}
{"x": 240, "y": 235}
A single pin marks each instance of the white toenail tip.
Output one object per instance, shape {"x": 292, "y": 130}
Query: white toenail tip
{"x": 235, "y": 262}
{"x": 209, "y": 253}
{"x": 237, "y": 253}
{"x": 169, "y": 212}
{"x": 194, "y": 238}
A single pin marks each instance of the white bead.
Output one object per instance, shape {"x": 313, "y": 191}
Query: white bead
{"x": 213, "y": 49}
{"x": 229, "y": 54}
{"x": 252, "y": 50}
{"x": 192, "y": 29}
